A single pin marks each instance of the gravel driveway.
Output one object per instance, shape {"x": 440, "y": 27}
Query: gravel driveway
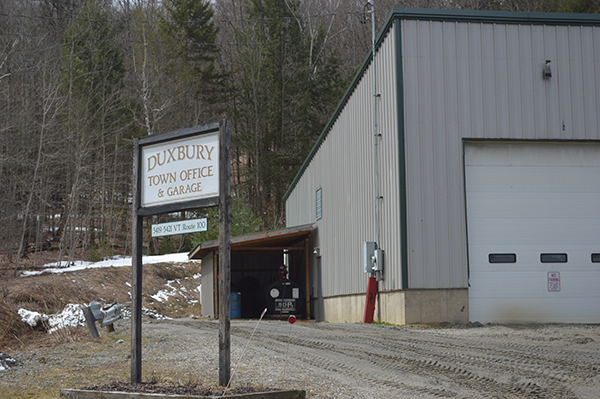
{"x": 369, "y": 361}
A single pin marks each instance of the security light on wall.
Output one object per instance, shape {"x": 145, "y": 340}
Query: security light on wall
{"x": 547, "y": 70}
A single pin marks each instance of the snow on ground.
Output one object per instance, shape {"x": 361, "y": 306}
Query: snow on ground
{"x": 116, "y": 261}
{"x": 171, "y": 290}
{"x": 6, "y": 361}
{"x": 71, "y": 316}
{"x": 165, "y": 294}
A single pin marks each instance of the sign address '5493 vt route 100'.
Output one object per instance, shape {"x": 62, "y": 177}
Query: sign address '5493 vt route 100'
{"x": 180, "y": 170}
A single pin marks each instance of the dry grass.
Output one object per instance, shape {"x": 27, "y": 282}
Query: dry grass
{"x": 90, "y": 362}
{"x": 50, "y": 293}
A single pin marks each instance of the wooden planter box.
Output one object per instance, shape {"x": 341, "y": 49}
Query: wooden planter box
{"x": 84, "y": 394}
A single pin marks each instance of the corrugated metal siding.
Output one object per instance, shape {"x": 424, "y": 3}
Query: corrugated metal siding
{"x": 482, "y": 80}
{"x": 344, "y": 168}
{"x": 462, "y": 80}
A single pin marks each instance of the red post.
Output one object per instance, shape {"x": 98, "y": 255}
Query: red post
{"x": 370, "y": 300}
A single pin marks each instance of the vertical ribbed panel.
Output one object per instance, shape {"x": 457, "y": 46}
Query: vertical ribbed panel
{"x": 461, "y": 80}
{"x": 481, "y": 80}
{"x": 344, "y": 168}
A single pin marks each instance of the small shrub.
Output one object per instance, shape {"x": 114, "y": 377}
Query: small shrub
{"x": 166, "y": 246}
{"x": 99, "y": 252}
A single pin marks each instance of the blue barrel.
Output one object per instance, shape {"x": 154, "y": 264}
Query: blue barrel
{"x": 236, "y": 305}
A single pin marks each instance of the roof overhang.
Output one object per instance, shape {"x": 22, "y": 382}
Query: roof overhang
{"x": 265, "y": 241}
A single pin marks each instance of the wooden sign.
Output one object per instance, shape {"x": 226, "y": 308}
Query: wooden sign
{"x": 180, "y": 170}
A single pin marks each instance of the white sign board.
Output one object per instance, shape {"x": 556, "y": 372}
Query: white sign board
{"x": 179, "y": 227}
{"x": 553, "y": 281}
{"x": 180, "y": 170}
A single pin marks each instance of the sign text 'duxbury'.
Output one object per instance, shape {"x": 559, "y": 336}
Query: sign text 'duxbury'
{"x": 180, "y": 170}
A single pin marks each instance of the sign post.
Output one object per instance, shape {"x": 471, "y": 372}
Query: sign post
{"x": 225, "y": 256}
{"x": 180, "y": 170}
{"x": 136, "y": 275}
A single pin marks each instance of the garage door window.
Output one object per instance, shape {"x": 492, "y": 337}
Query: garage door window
{"x": 595, "y": 258}
{"x": 502, "y": 258}
{"x": 553, "y": 258}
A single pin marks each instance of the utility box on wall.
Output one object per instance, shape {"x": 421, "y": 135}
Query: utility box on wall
{"x": 373, "y": 259}
{"x": 368, "y": 256}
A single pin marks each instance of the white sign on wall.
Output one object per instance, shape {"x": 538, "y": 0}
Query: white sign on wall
{"x": 179, "y": 227}
{"x": 180, "y": 170}
{"x": 554, "y": 281}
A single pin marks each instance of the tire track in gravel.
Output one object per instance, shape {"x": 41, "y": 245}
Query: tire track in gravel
{"x": 420, "y": 366}
{"x": 525, "y": 357}
{"x": 527, "y": 360}
{"x": 490, "y": 362}
{"x": 371, "y": 356}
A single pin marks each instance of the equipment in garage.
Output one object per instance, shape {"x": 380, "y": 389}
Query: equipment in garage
{"x": 257, "y": 262}
{"x": 283, "y": 297}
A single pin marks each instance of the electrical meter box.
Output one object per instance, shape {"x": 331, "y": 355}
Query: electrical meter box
{"x": 369, "y": 256}
{"x": 378, "y": 264}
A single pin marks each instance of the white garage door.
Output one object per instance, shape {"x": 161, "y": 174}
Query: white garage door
{"x": 533, "y": 217}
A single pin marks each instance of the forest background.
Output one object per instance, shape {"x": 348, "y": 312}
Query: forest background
{"x": 80, "y": 79}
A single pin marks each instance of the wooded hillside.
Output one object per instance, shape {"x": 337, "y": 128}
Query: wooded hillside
{"x": 79, "y": 80}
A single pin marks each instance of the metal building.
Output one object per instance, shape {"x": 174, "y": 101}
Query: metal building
{"x": 488, "y": 172}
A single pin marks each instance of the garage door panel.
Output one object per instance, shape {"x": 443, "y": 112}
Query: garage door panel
{"x": 528, "y": 199}
{"x": 534, "y": 284}
{"x": 547, "y": 179}
{"x": 579, "y": 257}
{"x": 533, "y": 206}
{"x": 541, "y": 310}
{"x": 543, "y": 232}
{"x": 532, "y": 154}
{"x": 519, "y": 284}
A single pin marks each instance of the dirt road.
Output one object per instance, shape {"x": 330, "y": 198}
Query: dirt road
{"x": 330, "y": 360}
{"x": 369, "y": 361}
{"x": 327, "y": 360}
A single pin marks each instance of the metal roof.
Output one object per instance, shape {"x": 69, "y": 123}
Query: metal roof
{"x": 263, "y": 241}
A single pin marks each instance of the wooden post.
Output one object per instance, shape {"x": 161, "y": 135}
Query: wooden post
{"x": 307, "y": 282}
{"x": 136, "y": 275}
{"x": 224, "y": 252}
{"x": 216, "y": 284}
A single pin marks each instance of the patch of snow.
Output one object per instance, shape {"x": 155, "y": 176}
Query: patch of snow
{"x": 197, "y": 276}
{"x": 165, "y": 294}
{"x": 32, "y": 318}
{"x": 161, "y": 295}
{"x": 153, "y": 314}
{"x": 117, "y": 261}
{"x": 70, "y": 316}
{"x": 6, "y": 361}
